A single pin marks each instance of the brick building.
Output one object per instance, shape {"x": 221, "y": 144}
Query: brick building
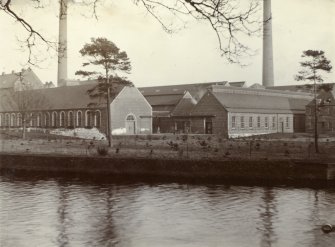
{"x": 325, "y": 112}
{"x": 233, "y": 112}
{"x": 68, "y": 107}
{"x": 172, "y": 104}
{"x": 15, "y": 80}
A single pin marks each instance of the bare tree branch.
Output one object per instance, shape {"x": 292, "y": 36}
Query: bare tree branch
{"x": 231, "y": 21}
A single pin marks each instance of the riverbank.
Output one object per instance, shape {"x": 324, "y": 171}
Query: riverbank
{"x": 195, "y": 157}
{"x": 194, "y": 147}
{"x": 285, "y": 171}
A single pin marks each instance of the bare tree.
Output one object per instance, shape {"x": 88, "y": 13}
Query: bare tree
{"x": 231, "y": 20}
{"x": 25, "y": 101}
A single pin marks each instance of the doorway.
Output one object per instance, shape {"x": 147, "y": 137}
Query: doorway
{"x": 130, "y": 125}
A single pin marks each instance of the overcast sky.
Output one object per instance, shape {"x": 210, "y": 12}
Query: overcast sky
{"x": 190, "y": 55}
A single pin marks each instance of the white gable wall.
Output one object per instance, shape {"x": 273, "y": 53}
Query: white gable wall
{"x": 130, "y": 102}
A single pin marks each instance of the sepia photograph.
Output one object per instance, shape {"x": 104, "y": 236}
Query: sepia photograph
{"x": 167, "y": 123}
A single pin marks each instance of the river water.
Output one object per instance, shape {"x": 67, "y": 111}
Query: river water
{"x": 58, "y": 211}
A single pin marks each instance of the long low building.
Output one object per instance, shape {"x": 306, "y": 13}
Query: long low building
{"x": 72, "y": 107}
{"x": 234, "y": 112}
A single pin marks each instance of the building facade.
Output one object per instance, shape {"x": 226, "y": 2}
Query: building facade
{"x": 325, "y": 111}
{"x": 236, "y": 112}
{"x": 71, "y": 107}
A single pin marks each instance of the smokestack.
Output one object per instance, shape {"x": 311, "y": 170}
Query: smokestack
{"x": 62, "y": 44}
{"x": 268, "y": 78}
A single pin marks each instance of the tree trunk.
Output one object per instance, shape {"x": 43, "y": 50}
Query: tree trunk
{"x": 23, "y": 129}
{"x": 109, "y": 134}
{"x": 316, "y": 141}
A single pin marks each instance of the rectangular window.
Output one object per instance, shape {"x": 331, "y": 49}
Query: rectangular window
{"x": 273, "y": 122}
{"x": 233, "y": 122}
{"x": 287, "y": 122}
{"x": 242, "y": 122}
{"x": 250, "y": 122}
{"x": 258, "y": 122}
{"x": 266, "y": 122}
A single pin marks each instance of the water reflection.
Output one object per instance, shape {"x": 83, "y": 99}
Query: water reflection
{"x": 58, "y": 211}
{"x": 63, "y": 216}
{"x": 268, "y": 213}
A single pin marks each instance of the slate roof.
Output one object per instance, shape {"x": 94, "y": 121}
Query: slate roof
{"x": 197, "y": 90}
{"x": 69, "y": 97}
{"x": 324, "y": 98}
{"x": 8, "y": 80}
{"x": 185, "y": 106}
{"x": 260, "y": 103}
{"x": 297, "y": 88}
{"x": 162, "y": 100}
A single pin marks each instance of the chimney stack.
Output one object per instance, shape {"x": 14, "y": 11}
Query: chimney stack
{"x": 62, "y": 44}
{"x": 268, "y": 77}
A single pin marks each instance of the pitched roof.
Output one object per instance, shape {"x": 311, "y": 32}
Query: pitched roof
{"x": 160, "y": 100}
{"x": 298, "y": 87}
{"x": 324, "y": 98}
{"x": 260, "y": 103}
{"x": 9, "y": 80}
{"x": 69, "y": 97}
{"x": 197, "y": 90}
{"x": 185, "y": 106}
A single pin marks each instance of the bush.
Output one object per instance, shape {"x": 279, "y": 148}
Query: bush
{"x": 102, "y": 150}
{"x": 184, "y": 138}
{"x": 173, "y": 146}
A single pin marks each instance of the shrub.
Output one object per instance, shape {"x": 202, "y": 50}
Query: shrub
{"x": 173, "y": 146}
{"x": 102, "y": 150}
{"x": 203, "y": 143}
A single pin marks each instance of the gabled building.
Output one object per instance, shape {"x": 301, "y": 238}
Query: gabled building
{"x": 71, "y": 107}
{"x": 16, "y": 80}
{"x": 172, "y": 105}
{"x": 325, "y": 102}
{"x": 235, "y": 112}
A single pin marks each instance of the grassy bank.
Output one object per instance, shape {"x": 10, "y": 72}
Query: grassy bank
{"x": 272, "y": 147}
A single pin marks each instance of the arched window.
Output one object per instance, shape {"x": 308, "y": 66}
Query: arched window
{"x": 97, "y": 119}
{"x": 38, "y": 119}
{"x": 70, "y": 119}
{"x": 62, "y": 119}
{"x": 88, "y": 119}
{"x": 19, "y": 120}
{"x": 47, "y": 119}
{"x": 130, "y": 117}
{"x": 53, "y": 119}
{"x": 79, "y": 118}
{"x": 12, "y": 120}
{"x": 31, "y": 118}
{"x": 7, "y": 119}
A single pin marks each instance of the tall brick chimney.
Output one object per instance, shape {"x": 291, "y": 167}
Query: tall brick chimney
{"x": 62, "y": 44}
{"x": 268, "y": 77}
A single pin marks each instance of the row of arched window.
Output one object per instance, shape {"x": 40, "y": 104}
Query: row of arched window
{"x": 88, "y": 118}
